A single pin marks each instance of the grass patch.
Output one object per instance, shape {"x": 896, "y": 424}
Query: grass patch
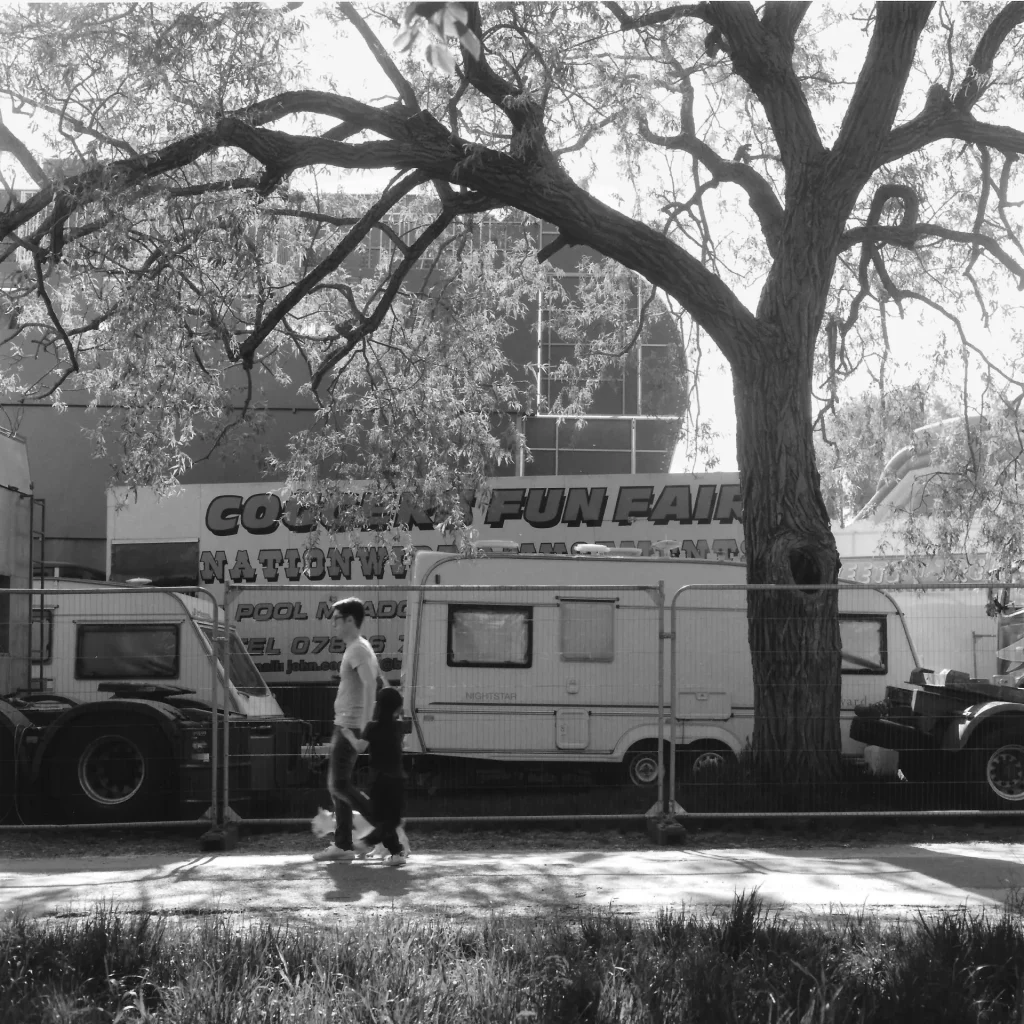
{"x": 745, "y": 965}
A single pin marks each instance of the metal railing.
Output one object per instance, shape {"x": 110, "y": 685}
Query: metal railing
{"x": 104, "y": 689}
{"x": 533, "y": 703}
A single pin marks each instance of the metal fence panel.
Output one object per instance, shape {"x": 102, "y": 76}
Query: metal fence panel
{"x": 106, "y": 715}
{"x": 524, "y": 700}
{"x": 885, "y": 634}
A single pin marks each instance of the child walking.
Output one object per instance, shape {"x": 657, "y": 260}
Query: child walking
{"x": 387, "y": 790}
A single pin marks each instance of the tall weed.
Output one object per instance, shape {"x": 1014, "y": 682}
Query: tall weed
{"x": 748, "y": 964}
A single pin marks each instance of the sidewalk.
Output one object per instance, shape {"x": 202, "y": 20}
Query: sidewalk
{"x": 889, "y": 881}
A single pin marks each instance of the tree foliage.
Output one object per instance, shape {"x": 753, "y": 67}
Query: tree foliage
{"x": 794, "y": 180}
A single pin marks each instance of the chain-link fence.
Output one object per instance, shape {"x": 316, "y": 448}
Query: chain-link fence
{"x": 912, "y": 736}
{"x": 593, "y": 698}
{"x": 107, "y": 699}
{"x": 521, "y": 701}
{"x": 614, "y": 700}
{"x": 134, "y": 705}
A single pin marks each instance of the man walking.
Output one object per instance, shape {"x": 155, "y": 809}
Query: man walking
{"x": 353, "y": 706}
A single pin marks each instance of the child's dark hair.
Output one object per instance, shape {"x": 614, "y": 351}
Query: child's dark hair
{"x": 389, "y": 700}
{"x": 350, "y": 607}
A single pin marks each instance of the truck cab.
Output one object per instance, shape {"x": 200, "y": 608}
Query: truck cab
{"x": 952, "y": 727}
{"x": 114, "y": 721}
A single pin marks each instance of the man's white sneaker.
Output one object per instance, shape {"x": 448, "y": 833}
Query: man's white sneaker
{"x": 364, "y": 852}
{"x": 403, "y": 839}
{"x": 333, "y": 852}
{"x": 396, "y": 860}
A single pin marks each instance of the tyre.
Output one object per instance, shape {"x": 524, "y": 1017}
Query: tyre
{"x": 995, "y": 768}
{"x": 640, "y": 765}
{"x": 704, "y": 764}
{"x": 8, "y": 776}
{"x": 113, "y": 771}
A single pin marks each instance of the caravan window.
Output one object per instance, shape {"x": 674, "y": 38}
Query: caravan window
{"x": 865, "y": 649}
{"x": 127, "y": 652}
{"x": 587, "y": 629}
{"x": 490, "y": 635}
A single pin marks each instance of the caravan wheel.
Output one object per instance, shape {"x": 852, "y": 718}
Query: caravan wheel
{"x": 640, "y": 765}
{"x": 705, "y": 762}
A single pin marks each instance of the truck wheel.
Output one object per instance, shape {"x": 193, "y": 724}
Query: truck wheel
{"x": 113, "y": 771}
{"x": 640, "y": 765}
{"x": 8, "y": 776}
{"x": 996, "y": 768}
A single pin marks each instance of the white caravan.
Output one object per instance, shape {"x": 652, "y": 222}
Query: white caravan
{"x": 560, "y": 660}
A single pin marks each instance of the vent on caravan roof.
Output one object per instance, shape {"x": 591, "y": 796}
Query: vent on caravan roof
{"x": 667, "y": 548}
{"x": 495, "y": 545}
{"x": 605, "y": 550}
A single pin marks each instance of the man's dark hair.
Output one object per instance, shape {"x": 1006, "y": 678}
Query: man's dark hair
{"x": 350, "y": 607}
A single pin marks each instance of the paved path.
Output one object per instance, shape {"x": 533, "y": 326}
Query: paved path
{"x": 890, "y": 881}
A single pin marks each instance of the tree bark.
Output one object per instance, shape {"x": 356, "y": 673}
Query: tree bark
{"x": 793, "y": 632}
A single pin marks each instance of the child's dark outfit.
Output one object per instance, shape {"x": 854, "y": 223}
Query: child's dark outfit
{"x": 387, "y": 790}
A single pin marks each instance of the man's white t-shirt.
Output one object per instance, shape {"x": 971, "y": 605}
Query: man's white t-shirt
{"x": 350, "y": 704}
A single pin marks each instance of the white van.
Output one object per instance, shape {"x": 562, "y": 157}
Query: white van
{"x": 556, "y": 658}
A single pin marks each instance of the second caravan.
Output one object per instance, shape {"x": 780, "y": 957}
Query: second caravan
{"x": 559, "y": 662}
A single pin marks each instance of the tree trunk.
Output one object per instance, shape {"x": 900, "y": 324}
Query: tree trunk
{"x": 794, "y": 633}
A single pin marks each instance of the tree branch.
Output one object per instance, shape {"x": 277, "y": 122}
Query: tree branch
{"x": 976, "y": 79}
{"x": 421, "y": 143}
{"x": 762, "y": 198}
{"x": 328, "y": 265}
{"x": 880, "y": 85}
{"x": 54, "y": 319}
{"x": 627, "y": 24}
{"x": 10, "y": 143}
{"x": 907, "y": 238}
{"x": 525, "y": 114}
{"x": 371, "y": 323}
{"x": 783, "y": 18}
{"x": 406, "y": 93}
{"x": 764, "y": 62}
{"x": 941, "y": 120}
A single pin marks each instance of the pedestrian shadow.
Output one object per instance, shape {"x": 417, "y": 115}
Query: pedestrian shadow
{"x": 354, "y": 881}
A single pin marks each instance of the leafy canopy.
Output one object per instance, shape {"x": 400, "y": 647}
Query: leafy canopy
{"x": 211, "y": 219}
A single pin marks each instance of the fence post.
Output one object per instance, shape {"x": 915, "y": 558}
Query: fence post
{"x": 220, "y": 835}
{"x": 225, "y": 795}
{"x": 671, "y": 804}
{"x": 663, "y": 796}
{"x": 665, "y": 828}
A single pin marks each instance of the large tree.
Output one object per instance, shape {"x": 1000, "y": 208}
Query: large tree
{"x": 862, "y": 144}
